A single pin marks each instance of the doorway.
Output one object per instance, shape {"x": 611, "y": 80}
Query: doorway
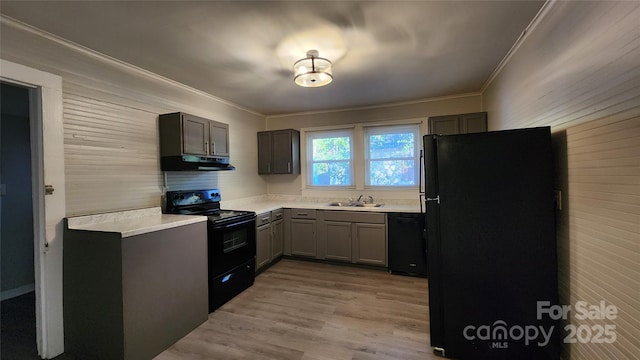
{"x": 17, "y": 283}
{"x": 47, "y": 190}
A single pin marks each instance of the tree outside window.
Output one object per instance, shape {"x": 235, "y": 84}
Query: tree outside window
{"x": 392, "y": 155}
{"x": 331, "y": 160}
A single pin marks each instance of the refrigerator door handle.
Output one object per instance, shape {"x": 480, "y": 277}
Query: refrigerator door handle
{"x": 437, "y": 198}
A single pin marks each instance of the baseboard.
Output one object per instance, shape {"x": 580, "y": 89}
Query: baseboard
{"x": 11, "y": 293}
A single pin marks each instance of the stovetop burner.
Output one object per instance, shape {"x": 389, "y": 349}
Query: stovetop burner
{"x": 202, "y": 202}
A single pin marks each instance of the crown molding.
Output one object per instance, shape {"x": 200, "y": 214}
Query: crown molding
{"x": 542, "y": 13}
{"x": 370, "y": 107}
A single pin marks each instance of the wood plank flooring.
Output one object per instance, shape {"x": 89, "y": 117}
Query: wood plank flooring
{"x": 314, "y": 311}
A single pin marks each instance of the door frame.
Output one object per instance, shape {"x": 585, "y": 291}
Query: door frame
{"x": 47, "y": 164}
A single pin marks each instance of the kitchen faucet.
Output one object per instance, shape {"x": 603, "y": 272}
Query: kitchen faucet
{"x": 365, "y": 201}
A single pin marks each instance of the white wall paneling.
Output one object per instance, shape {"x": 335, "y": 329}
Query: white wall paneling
{"x": 579, "y": 72}
{"x": 110, "y": 125}
{"x": 111, "y": 156}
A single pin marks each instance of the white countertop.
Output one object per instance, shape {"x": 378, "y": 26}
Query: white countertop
{"x": 135, "y": 222}
{"x": 269, "y": 205}
{"x": 132, "y": 222}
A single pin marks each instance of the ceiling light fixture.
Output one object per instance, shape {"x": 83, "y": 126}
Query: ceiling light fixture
{"x": 312, "y": 71}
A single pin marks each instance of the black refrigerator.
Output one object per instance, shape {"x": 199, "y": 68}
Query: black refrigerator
{"x": 490, "y": 228}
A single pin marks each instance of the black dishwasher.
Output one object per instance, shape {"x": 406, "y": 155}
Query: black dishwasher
{"x": 407, "y": 244}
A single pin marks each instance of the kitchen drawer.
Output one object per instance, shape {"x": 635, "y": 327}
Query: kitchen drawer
{"x": 277, "y": 215}
{"x": 354, "y": 216}
{"x": 263, "y": 219}
{"x": 303, "y": 213}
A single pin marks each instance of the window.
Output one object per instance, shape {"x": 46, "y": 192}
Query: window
{"x": 330, "y": 158}
{"x": 391, "y": 154}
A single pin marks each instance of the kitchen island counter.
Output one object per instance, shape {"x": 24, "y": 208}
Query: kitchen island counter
{"x": 131, "y": 222}
{"x": 128, "y": 272}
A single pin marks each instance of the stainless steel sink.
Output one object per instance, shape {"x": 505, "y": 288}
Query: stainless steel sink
{"x": 338, "y": 203}
{"x": 370, "y": 205}
{"x": 352, "y": 204}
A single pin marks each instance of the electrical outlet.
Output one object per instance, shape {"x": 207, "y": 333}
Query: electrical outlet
{"x": 558, "y": 200}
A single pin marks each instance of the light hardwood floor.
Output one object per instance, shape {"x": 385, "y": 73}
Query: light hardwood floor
{"x": 305, "y": 310}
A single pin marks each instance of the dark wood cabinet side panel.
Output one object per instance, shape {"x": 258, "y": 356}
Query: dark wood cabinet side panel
{"x": 170, "y": 130}
{"x": 165, "y": 288}
{"x": 295, "y": 151}
{"x": 264, "y": 152}
{"x": 92, "y": 295}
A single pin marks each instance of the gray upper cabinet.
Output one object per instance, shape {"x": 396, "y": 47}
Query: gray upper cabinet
{"x": 219, "y": 138}
{"x": 195, "y": 135}
{"x": 184, "y": 134}
{"x": 458, "y": 124}
{"x": 279, "y": 152}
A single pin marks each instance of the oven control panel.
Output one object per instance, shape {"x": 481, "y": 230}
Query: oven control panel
{"x": 191, "y": 197}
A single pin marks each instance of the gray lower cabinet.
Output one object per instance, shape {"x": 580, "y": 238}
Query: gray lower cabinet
{"x": 303, "y": 232}
{"x": 263, "y": 240}
{"x": 277, "y": 238}
{"x": 133, "y": 297}
{"x": 269, "y": 237}
{"x": 370, "y": 244}
{"x": 357, "y": 237}
{"x": 337, "y": 236}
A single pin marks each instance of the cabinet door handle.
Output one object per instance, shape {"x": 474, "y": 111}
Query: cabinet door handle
{"x": 437, "y": 199}
{"x": 289, "y": 167}
{"x": 206, "y": 147}
{"x": 213, "y": 146}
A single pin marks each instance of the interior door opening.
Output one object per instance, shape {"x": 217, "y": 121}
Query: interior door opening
{"x": 17, "y": 269}
{"x": 47, "y": 171}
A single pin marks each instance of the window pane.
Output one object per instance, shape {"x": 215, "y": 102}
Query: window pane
{"x": 332, "y": 148}
{"x": 392, "y": 173}
{"x": 385, "y": 146}
{"x": 332, "y": 173}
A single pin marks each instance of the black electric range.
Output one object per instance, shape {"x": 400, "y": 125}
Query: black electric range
{"x": 231, "y": 240}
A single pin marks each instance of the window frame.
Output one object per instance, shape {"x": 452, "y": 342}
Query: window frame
{"x": 369, "y": 131}
{"x": 323, "y": 134}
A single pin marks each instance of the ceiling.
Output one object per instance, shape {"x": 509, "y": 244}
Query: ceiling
{"x": 243, "y": 51}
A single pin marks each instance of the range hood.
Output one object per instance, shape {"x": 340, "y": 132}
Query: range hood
{"x": 195, "y": 163}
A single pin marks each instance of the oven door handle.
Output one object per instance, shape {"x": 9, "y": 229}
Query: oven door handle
{"x": 235, "y": 224}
